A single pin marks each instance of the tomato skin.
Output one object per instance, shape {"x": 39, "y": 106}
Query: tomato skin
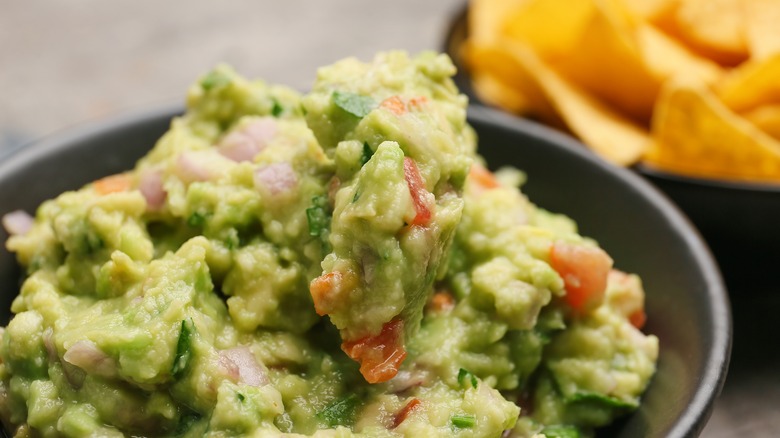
{"x": 328, "y": 290}
{"x": 638, "y": 318}
{"x": 404, "y": 412}
{"x": 584, "y": 271}
{"x": 120, "y": 182}
{"x": 379, "y": 356}
{"x": 419, "y": 194}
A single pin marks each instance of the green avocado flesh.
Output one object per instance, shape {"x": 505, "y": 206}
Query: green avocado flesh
{"x": 333, "y": 264}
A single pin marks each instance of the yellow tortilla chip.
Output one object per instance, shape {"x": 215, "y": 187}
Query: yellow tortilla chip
{"x": 752, "y": 84}
{"x": 491, "y": 89}
{"x": 695, "y": 134}
{"x": 666, "y": 57}
{"x": 486, "y": 18}
{"x": 716, "y": 28}
{"x": 653, "y": 11}
{"x": 604, "y": 130}
{"x": 497, "y": 61}
{"x": 762, "y": 18}
{"x": 551, "y": 27}
{"x": 766, "y": 118}
{"x": 607, "y": 62}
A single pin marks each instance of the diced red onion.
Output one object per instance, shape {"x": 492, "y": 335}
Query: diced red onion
{"x": 17, "y": 222}
{"x": 275, "y": 178}
{"x": 48, "y": 343}
{"x": 246, "y": 143}
{"x": 191, "y": 167}
{"x": 262, "y": 130}
{"x": 151, "y": 186}
{"x": 406, "y": 379}
{"x": 242, "y": 365}
{"x": 87, "y": 356}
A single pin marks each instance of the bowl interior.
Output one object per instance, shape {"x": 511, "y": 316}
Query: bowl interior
{"x": 687, "y": 305}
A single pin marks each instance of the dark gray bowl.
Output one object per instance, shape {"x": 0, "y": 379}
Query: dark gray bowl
{"x": 687, "y": 304}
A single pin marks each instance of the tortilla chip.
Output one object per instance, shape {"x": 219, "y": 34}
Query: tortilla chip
{"x": 498, "y": 62}
{"x": 491, "y": 89}
{"x": 607, "y": 132}
{"x": 695, "y": 134}
{"x": 654, "y": 11}
{"x": 762, "y": 18}
{"x": 715, "y": 28}
{"x": 551, "y": 27}
{"x": 607, "y": 62}
{"x": 766, "y": 118}
{"x": 486, "y": 18}
{"x": 752, "y": 84}
{"x": 665, "y": 57}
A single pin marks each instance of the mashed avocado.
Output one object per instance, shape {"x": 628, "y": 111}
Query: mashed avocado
{"x": 334, "y": 264}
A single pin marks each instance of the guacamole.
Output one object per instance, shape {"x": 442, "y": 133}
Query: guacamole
{"x": 340, "y": 263}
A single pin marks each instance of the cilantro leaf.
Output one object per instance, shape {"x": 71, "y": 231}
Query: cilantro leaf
{"x": 340, "y": 412}
{"x": 355, "y": 104}
{"x": 465, "y": 376}
{"x": 367, "y": 154}
{"x": 463, "y": 421}
{"x": 183, "y": 348}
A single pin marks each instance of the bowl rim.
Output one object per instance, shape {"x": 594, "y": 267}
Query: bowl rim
{"x": 690, "y": 422}
{"x": 457, "y": 28}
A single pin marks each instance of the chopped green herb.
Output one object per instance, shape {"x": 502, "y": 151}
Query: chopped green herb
{"x": 355, "y": 104}
{"x": 196, "y": 219}
{"x": 465, "y": 376}
{"x": 183, "y": 348}
{"x": 341, "y": 412}
{"x": 317, "y": 216}
{"x": 356, "y": 197}
{"x": 559, "y": 431}
{"x": 186, "y": 422}
{"x": 240, "y": 396}
{"x": 213, "y": 80}
{"x": 367, "y": 154}
{"x": 463, "y": 421}
{"x": 276, "y": 109}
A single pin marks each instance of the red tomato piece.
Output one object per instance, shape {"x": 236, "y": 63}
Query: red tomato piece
{"x": 417, "y": 190}
{"x": 404, "y": 412}
{"x": 395, "y": 105}
{"x": 584, "y": 271}
{"x": 379, "y": 356}
{"x": 483, "y": 177}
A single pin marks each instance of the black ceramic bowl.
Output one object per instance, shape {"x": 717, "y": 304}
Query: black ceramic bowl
{"x": 738, "y": 219}
{"x": 687, "y": 305}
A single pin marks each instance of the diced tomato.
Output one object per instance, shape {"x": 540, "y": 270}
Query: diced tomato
{"x": 584, "y": 271}
{"x": 418, "y": 102}
{"x": 394, "y": 104}
{"x": 419, "y": 193}
{"x": 638, "y": 318}
{"x": 441, "y": 301}
{"x": 112, "y": 184}
{"x": 404, "y": 412}
{"x": 483, "y": 177}
{"x": 327, "y": 289}
{"x": 379, "y": 356}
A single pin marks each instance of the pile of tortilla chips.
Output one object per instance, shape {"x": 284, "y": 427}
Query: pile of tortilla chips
{"x": 687, "y": 86}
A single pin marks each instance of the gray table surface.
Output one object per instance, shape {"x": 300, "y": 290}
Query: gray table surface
{"x": 66, "y": 62}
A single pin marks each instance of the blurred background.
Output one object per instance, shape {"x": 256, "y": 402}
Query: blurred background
{"x": 63, "y": 63}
